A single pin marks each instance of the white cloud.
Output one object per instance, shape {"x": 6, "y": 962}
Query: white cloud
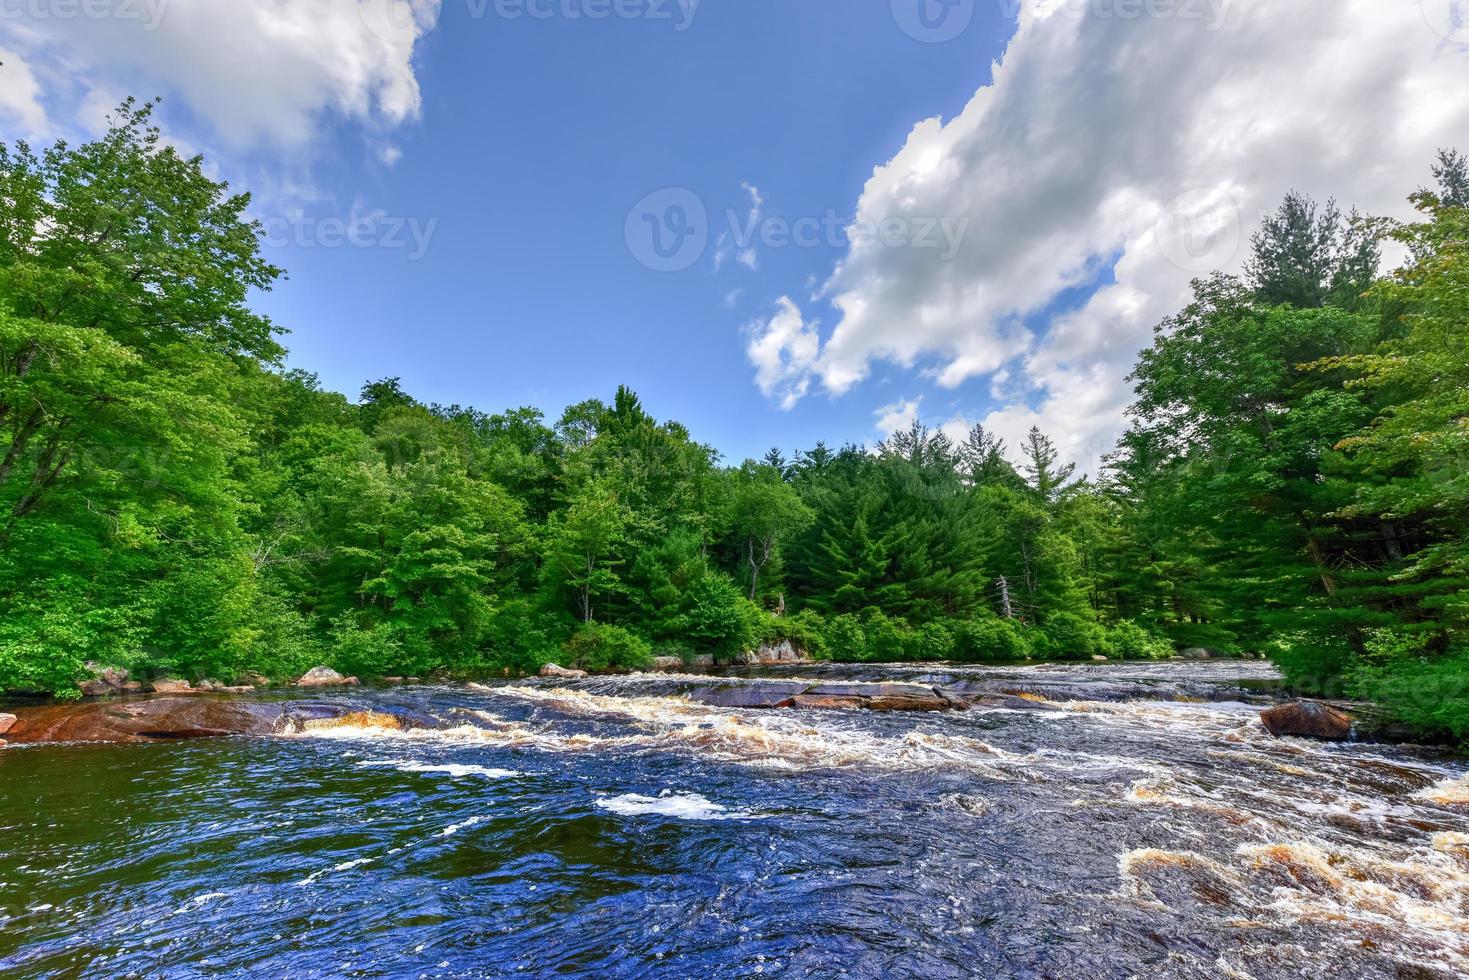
{"x": 897, "y": 417}
{"x": 784, "y": 351}
{"x": 20, "y": 96}
{"x": 259, "y": 72}
{"x": 745, "y": 254}
{"x": 1148, "y": 143}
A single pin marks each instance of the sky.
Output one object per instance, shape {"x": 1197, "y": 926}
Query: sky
{"x": 777, "y": 220}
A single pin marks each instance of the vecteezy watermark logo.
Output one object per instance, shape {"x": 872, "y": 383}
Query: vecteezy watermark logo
{"x": 147, "y": 12}
{"x": 1449, "y": 19}
{"x": 402, "y": 21}
{"x": 668, "y": 230}
{"x": 361, "y": 231}
{"x": 1199, "y": 231}
{"x": 933, "y": 21}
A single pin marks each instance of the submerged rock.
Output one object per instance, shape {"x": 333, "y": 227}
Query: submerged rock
{"x": 1310, "y": 719}
{"x": 325, "y": 677}
{"x": 556, "y": 670}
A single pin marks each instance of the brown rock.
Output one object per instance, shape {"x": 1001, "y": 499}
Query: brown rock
{"x": 878, "y": 690}
{"x": 1309, "y": 719}
{"x": 556, "y": 670}
{"x": 170, "y": 685}
{"x": 133, "y": 687}
{"x": 7, "y": 722}
{"x": 141, "y": 721}
{"x": 252, "y": 679}
{"x": 668, "y": 663}
{"x": 908, "y": 702}
{"x": 172, "y": 718}
{"x": 97, "y": 689}
{"x": 324, "y": 677}
{"x": 823, "y": 702}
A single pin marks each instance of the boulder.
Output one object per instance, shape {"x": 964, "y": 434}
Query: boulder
{"x": 325, "y": 677}
{"x": 703, "y": 660}
{"x": 668, "y": 663}
{"x": 7, "y": 722}
{"x": 104, "y": 681}
{"x": 1099, "y": 659}
{"x": 413, "y": 680}
{"x": 392, "y": 680}
{"x": 251, "y": 679}
{"x": 1309, "y": 719}
{"x": 1196, "y": 653}
{"x": 133, "y": 687}
{"x": 556, "y": 670}
{"x": 783, "y": 652}
{"x": 170, "y": 685}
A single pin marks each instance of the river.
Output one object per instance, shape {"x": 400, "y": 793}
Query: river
{"x": 1144, "y": 826}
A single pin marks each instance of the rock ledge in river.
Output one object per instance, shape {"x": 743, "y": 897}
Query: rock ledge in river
{"x": 1310, "y": 719}
{"x": 556, "y": 670}
{"x": 827, "y": 697}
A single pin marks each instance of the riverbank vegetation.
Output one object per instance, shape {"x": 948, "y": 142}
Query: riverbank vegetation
{"x": 1295, "y": 481}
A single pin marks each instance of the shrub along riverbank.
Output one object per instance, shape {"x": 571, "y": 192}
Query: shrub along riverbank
{"x": 174, "y": 502}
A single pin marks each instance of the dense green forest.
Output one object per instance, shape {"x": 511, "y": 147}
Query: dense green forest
{"x": 1295, "y": 480}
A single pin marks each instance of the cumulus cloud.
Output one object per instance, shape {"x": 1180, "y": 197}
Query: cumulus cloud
{"x": 1146, "y": 146}
{"x": 783, "y": 349}
{"x": 897, "y": 417}
{"x": 20, "y": 96}
{"x": 259, "y": 72}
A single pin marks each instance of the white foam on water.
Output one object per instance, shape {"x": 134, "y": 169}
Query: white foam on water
{"x": 357, "y": 863}
{"x": 453, "y": 770}
{"x": 454, "y": 828}
{"x": 1448, "y": 792}
{"x": 683, "y": 806}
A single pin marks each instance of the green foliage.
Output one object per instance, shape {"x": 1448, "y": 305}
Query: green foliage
{"x": 599, "y": 647}
{"x": 719, "y": 620}
{"x": 1128, "y": 640}
{"x": 991, "y": 638}
{"x": 1069, "y": 635}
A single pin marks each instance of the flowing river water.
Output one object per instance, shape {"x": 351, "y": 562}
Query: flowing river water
{"x": 1139, "y": 822}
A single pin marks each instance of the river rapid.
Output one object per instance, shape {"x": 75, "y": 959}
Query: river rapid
{"x": 1139, "y": 822}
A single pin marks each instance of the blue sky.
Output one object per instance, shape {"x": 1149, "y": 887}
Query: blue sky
{"x": 537, "y": 138}
{"x": 1029, "y": 185}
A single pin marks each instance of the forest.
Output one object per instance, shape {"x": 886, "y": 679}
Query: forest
{"x": 1293, "y": 482}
